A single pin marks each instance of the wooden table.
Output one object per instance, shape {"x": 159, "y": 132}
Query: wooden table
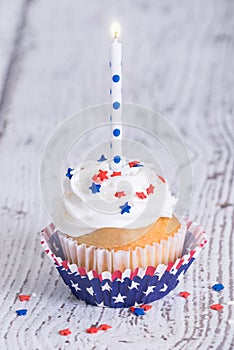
{"x": 179, "y": 59}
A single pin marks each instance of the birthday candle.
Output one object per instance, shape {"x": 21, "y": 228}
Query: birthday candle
{"x": 116, "y": 99}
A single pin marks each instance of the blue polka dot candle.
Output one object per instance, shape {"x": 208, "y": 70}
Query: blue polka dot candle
{"x": 116, "y": 99}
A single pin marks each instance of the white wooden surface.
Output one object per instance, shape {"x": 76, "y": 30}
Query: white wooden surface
{"x": 178, "y": 58}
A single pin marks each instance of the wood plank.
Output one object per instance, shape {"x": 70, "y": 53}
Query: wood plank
{"x": 178, "y": 58}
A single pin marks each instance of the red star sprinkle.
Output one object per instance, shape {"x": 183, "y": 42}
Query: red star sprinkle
{"x": 92, "y": 330}
{"x": 104, "y": 327}
{"x": 216, "y": 307}
{"x": 103, "y": 175}
{"x": 132, "y": 164}
{"x": 184, "y": 294}
{"x": 65, "y": 331}
{"x": 141, "y": 195}
{"x": 96, "y": 179}
{"x": 146, "y": 307}
{"x": 116, "y": 173}
{"x": 132, "y": 309}
{"x": 150, "y": 189}
{"x": 24, "y": 297}
{"x": 162, "y": 179}
{"x": 120, "y": 194}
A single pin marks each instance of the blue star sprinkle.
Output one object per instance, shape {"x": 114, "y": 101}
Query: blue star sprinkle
{"x": 95, "y": 188}
{"x": 139, "y": 311}
{"x": 125, "y": 208}
{"x": 21, "y": 312}
{"x": 102, "y": 158}
{"x": 68, "y": 174}
{"x": 217, "y": 287}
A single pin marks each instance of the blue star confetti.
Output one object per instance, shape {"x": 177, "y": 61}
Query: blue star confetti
{"x": 217, "y": 287}
{"x": 139, "y": 311}
{"x": 21, "y": 312}
{"x": 68, "y": 174}
{"x": 125, "y": 208}
{"x": 102, "y": 158}
{"x": 95, "y": 187}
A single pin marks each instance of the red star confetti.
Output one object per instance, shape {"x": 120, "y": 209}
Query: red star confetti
{"x": 92, "y": 330}
{"x": 96, "y": 179}
{"x": 104, "y": 327}
{"x": 24, "y": 297}
{"x": 150, "y": 189}
{"x": 103, "y": 175}
{"x": 134, "y": 163}
{"x": 216, "y": 307}
{"x": 184, "y": 294}
{"x": 141, "y": 195}
{"x": 146, "y": 307}
{"x": 65, "y": 331}
{"x": 116, "y": 173}
{"x": 162, "y": 179}
{"x": 120, "y": 194}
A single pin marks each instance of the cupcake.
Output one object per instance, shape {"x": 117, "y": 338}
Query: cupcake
{"x": 117, "y": 220}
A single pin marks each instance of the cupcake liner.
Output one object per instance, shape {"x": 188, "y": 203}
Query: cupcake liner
{"x": 101, "y": 259}
{"x": 127, "y": 288}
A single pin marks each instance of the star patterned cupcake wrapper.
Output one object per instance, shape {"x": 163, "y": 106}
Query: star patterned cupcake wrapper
{"x": 127, "y": 288}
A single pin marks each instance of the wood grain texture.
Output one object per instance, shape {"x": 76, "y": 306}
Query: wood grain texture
{"x": 178, "y": 58}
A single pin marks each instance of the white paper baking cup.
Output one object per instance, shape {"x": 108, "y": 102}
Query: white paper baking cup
{"x": 101, "y": 260}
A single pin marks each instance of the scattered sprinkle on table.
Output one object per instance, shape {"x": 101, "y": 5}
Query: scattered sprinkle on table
{"x": 65, "y": 331}
{"x": 23, "y": 297}
{"x": 139, "y": 311}
{"x": 217, "y": 287}
{"x": 216, "y": 307}
{"x": 21, "y": 312}
{"x": 184, "y": 294}
{"x": 102, "y": 327}
{"x": 146, "y": 307}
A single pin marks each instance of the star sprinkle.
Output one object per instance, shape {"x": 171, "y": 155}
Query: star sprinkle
{"x": 217, "y": 287}
{"x": 139, "y": 311}
{"x": 125, "y": 208}
{"x": 116, "y": 173}
{"x": 135, "y": 163}
{"x": 216, "y": 307}
{"x": 120, "y": 194}
{"x": 21, "y": 312}
{"x": 95, "y": 188}
{"x": 68, "y": 174}
{"x": 150, "y": 189}
{"x": 104, "y": 327}
{"x": 141, "y": 195}
{"x": 92, "y": 330}
{"x": 24, "y": 297}
{"x": 103, "y": 175}
{"x": 162, "y": 179}
{"x": 65, "y": 331}
{"x": 146, "y": 307}
{"x": 102, "y": 158}
{"x": 96, "y": 179}
{"x": 184, "y": 294}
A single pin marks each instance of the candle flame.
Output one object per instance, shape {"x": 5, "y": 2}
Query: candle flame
{"x": 115, "y": 29}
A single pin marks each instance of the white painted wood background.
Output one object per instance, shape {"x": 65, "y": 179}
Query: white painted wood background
{"x": 179, "y": 59}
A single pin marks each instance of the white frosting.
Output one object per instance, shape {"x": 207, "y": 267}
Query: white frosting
{"x": 82, "y": 211}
